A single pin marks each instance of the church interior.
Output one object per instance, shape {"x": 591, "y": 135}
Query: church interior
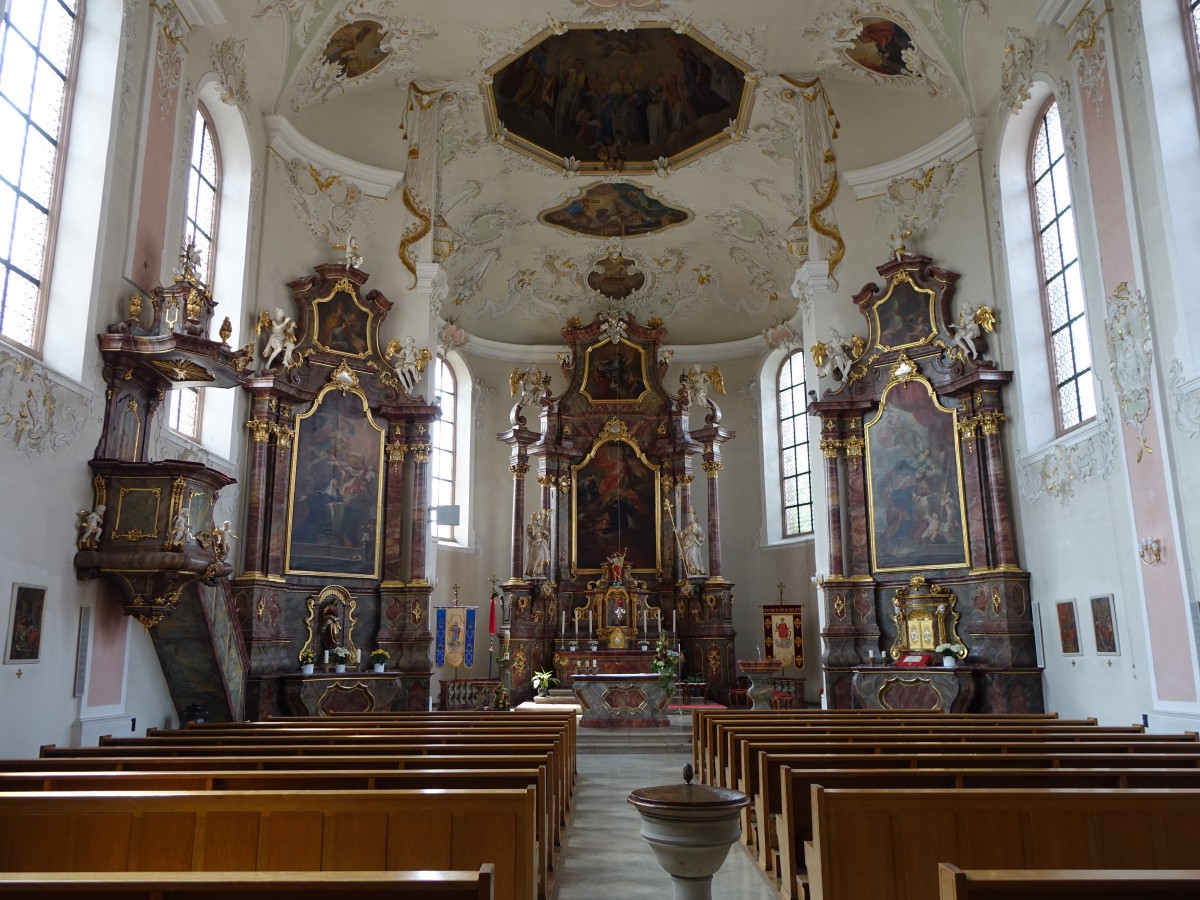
{"x": 361, "y": 356}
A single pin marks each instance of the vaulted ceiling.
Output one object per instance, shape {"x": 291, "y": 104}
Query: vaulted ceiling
{"x": 704, "y": 234}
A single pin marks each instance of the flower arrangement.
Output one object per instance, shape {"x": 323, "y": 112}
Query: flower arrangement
{"x": 340, "y": 655}
{"x": 948, "y": 649}
{"x": 307, "y": 657}
{"x": 543, "y": 679}
{"x": 379, "y": 656}
{"x": 666, "y": 659}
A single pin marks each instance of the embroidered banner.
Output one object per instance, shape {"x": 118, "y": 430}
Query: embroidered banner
{"x": 454, "y": 640}
{"x": 783, "y": 633}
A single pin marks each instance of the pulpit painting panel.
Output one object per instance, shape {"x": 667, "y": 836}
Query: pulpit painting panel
{"x": 616, "y": 493}
{"x": 333, "y": 513}
{"x": 915, "y": 478}
{"x": 614, "y": 373}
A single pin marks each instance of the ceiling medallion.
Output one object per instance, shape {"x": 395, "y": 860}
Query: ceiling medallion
{"x": 618, "y": 100}
{"x": 614, "y": 276}
{"x": 614, "y": 209}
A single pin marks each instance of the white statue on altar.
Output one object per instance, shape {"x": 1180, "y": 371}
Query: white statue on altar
{"x": 538, "y": 533}
{"x": 691, "y": 539}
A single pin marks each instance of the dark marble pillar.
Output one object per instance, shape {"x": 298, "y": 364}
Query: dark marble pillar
{"x": 519, "y": 469}
{"x": 831, "y": 446}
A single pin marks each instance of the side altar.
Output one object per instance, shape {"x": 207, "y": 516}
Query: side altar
{"x": 613, "y": 554}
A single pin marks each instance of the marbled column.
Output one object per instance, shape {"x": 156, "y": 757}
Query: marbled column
{"x": 393, "y": 521}
{"x": 279, "y": 473}
{"x": 256, "y": 541}
{"x": 975, "y": 496}
{"x": 1001, "y": 525}
{"x": 712, "y": 468}
{"x": 420, "y": 505}
{"x": 831, "y": 447}
{"x": 856, "y": 475}
{"x": 519, "y": 469}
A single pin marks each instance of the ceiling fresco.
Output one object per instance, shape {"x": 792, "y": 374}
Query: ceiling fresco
{"x": 673, "y": 158}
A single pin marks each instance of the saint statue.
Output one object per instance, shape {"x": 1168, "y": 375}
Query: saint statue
{"x": 331, "y": 625}
{"x": 691, "y": 538}
{"x": 538, "y": 533}
{"x": 282, "y": 338}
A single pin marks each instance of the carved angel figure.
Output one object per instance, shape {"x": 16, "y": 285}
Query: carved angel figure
{"x": 538, "y": 533}
{"x": 836, "y": 362}
{"x": 530, "y": 383}
{"x": 965, "y": 333}
{"x": 181, "y": 527}
{"x": 408, "y": 361}
{"x": 92, "y": 523}
{"x": 696, "y": 382}
{"x": 282, "y": 338}
{"x": 219, "y": 535}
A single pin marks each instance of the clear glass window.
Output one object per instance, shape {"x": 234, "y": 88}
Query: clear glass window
{"x": 37, "y": 39}
{"x": 794, "y": 469}
{"x": 183, "y": 411}
{"x": 203, "y": 189}
{"x": 1062, "y": 283}
{"x": 443, "y": 440}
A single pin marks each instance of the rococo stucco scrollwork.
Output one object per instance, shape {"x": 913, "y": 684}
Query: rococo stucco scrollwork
{"x": 38, "y": 411}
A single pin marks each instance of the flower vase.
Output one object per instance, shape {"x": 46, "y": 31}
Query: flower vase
{"x": 378, "y": 667}
{"x": 306, "y": 669}
{"x": 339, "y": 668}
{"x": 949, "y": 661}
{"x": 644, "y": 646}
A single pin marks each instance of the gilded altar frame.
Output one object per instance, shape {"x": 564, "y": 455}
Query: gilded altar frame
{"x": 622, "y": 391}
{"x": 924, "y": 617}
{"x": 346, "y": 604}
{"x": 341, "y": 327}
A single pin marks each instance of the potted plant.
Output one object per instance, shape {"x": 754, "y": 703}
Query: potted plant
{"x": 542, "y": 680}
{"x": 950, "y": 653}
{"x": 341, "y": 656}
{"x": 307, "y": 658}
{"x": 379, "y": 656}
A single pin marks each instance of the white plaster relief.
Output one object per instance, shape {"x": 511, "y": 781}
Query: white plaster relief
{"x": 1185, "y": 398}
{"x": 744, "y": 45}
{"x": 1131, "y": 351}
{"x": 300, "y": 15}
{"x": 483, "y": 398}
{"x": 748, "y": 226}
{"x": 1067, "y": 117}
{"x": 778, "y": 131}
{"x": 39, "y": 412}
{"x": 170, "y": 66}
{"x": 1086, "y": 36}
{"x": 995, "y": 219}
{"x": 618, "y": 15}
{"x": 228, "y": 59}
{"x": 1055, "y": 473}
{"x": 1021, "y": 57}
{"x": 748, "y": 392}
{"x": 761, "y": 278}
{"x": 329, "y": 204}
{"x": 915, "y": 202}
{"x": 837, "y": 31}
{"x": 1137, "y": 76}
{"x": 131, "y": 26}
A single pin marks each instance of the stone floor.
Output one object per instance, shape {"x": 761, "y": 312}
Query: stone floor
{"x": 604, "y": 855}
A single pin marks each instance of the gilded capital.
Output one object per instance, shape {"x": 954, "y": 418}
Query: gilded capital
{"x": 686, "y": 479}
{"x": 519, "y": 470}
{"x": 420, "y": 452}
{"x": 712, "y": 467}
{"x": 968, "y": 429}
{"x": 854, "y": 447}
{"x": 991, "y": 421}
{"x": 546, "y": 480}
{"x": 830, "y": 447}
{"x": 260, "y": 431}
{"x": 397, "y": 450}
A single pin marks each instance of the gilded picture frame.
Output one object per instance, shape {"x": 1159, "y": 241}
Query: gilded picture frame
{"x": 335, "y": 501}
{"x": 342, "y": 324}
{"x": 23, "y": 640}
{"x": 615, "y": 497}
{"x": 1104, "y": 625}
{"x": 916, "y": 504}
{"x": 900, "y": 325}
{"x": 614, "y": 372}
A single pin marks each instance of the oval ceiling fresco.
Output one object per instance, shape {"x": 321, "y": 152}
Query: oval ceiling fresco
{"x": 616, "y": 209}
{"x": 355, "y": 48}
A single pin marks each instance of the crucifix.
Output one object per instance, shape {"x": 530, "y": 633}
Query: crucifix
{"x": 781, "y": 593}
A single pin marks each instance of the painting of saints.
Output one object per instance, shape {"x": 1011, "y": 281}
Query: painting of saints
{"x": 355, "y": 48}
{"x": 615, "y": 509}
{"x": 1068, "y": 631}
{"x": 614, "y": 373}
{"x": 343, "y": 327}
{"x": 612, "y": 210}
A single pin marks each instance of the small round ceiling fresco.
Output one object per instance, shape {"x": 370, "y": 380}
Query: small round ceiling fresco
{"x": 618, "y": 99}
{"x": 879, "y": 46}
{"x": 618, "y": 209}
{"x": 355, "y": 48}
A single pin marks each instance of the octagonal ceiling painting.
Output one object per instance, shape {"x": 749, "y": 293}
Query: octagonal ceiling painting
{"x": 619, "y": 99}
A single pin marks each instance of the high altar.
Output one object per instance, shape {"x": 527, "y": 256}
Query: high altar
{"x": 610, "y": 560}
{"x": 922, "y": 551}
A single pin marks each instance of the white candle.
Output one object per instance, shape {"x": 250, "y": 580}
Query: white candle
{"x": 358, "y": 654}
{"x": 326, "y": 660}
{"x": 673, "y": 628}
{"x": 564, "y": 622}
{"x": 645, "y": 625}
{"x": 577, "y": 628}
{"x": 589, "y": 621}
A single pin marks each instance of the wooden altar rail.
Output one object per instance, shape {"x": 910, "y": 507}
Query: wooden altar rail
{"x": 1067, "y": 884}
{"x": 324, "y": 780}
{"x": 269, "y": 831}
{"x": 704, "y": 722}
{"x": 768, "y": 791}
{"x": 796, "y": 818}
{"x": 440, "y": 885}
{"x": 887, "y": 844}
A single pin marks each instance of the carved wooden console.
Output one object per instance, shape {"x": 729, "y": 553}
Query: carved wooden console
{"x": 917, "y": 486}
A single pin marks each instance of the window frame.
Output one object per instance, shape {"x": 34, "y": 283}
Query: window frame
{"x": 188, "y": 222}
{"x": 1189, "y": 9}
{"x": 799, "y": 416}
{"x": 443, "y": 368}
{"x": 54, "y": 207}
{"x": 1060, "y": 429}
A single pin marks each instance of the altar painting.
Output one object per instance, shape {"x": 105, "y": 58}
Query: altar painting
{"x": 614, "y": 373}
{"x": 616, "y": 508}
{"x": 333, "y": 513}
{"x": 915, "y": 478}
{"x": 341, "y": 324}
{"x": 904, "y": 316}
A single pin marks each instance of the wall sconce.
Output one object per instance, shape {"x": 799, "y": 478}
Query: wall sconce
{"x": 1150, "y": 551}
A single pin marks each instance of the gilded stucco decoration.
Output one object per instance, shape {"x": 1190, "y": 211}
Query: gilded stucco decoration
{"x": 169, "y": 52}
{"x": 1054, "y": 473}
{"x": 914, "y": 202}
{"x": 819, "y": 175}
{"x": 228, "y": 60}
{"x": 38, "y": 412}
{"x": 1185, "y": 396}
{"x": 1131, "y": 354}
{"x": 1086, "y": 33}
{"x": 367, "y": 43}
{"x": 1022, "y": 56}
{"x": 877, "y": 43}
{"x": 329, "y": 203}
{"x": 621, "y": 15}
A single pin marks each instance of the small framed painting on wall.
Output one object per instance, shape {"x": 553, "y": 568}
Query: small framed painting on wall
{"x": 24, "y": 643}
{"x": 1068, "y": 628}
{"x": 1104, "y": 622}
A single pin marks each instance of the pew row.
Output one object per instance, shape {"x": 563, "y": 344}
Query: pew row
{"x": 1066, "y": 884}
{"x": 269, "y": 831}
{"x": 442, "y": 885}
{"x": 909, "y": 832}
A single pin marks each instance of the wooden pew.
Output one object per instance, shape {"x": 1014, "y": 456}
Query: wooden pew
{"x": 269, "y": 831}
{"x": 1067, "y": 884}
{"x": 886, "y": 845}
{"x": 796, "y": 824}
{"x": 442, "y": 885}
{"x": 324, "y": 780}
{"x": 768, "y": 802}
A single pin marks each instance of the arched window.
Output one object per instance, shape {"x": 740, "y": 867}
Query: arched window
{"x": 200, "y": 230}
{"x": 1193, "y": 15}
{"x": 37, "y": 40}
{"x": 794, "y": 469}
{"x": 1061, "y": 276}
{"x": 444, "y": 440}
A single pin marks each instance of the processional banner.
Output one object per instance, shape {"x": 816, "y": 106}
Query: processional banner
{"x": 783, "y": 634}
{"x": 454, "y": 641}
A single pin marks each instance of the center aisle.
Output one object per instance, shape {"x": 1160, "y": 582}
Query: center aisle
{"x": 605, "y": 854}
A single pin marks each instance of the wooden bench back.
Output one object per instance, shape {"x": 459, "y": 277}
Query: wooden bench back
{"x": 264, "y": 830}
{"x": 1067, "y": 884}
